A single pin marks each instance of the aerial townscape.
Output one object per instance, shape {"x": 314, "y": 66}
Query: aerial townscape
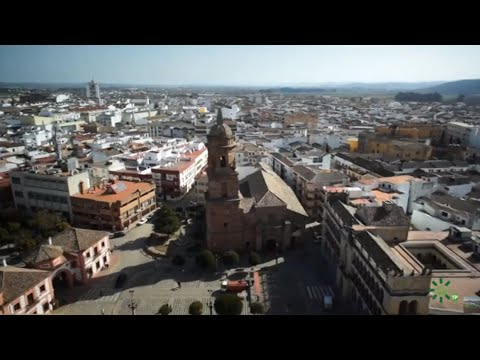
{"x": 358, "y": 198}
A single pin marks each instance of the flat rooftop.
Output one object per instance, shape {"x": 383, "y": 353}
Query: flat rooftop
{"x": 462, "y": 284}
{"x": 122, "y": 189}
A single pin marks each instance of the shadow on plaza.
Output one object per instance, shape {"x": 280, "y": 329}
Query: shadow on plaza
{"x": 141, "y": 275}
{"x": 279, "y": 292}
{"x": 132, "y": 245}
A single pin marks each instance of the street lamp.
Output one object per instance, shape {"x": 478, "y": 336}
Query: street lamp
{"x": 276, "y": 252}
{"x": 132, "y": 304}
{"x": 210, "y": 306}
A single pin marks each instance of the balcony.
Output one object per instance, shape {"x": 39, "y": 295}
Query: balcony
{"x": 35, "y": 302}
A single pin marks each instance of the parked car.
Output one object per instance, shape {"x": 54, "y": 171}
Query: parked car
{"x": 121, "y": 279}
{"x": 142, "y": 221}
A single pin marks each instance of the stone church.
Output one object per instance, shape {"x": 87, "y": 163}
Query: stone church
{"x": 258, "y": 212}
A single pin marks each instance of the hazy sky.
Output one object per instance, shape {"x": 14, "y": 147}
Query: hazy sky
{"x": 238, "y": 65}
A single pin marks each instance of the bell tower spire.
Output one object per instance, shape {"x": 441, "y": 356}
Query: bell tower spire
{"x": 219, "y": 117}
{"x": 222, "y": 176}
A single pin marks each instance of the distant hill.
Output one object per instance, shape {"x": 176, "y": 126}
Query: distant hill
{"x": 353, "y": 87}
{"x": 465, "y": 87}
{"x": 389, "y": 86}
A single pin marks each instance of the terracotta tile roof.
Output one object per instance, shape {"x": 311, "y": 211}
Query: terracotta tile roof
{"x": 14, "y": 281}
{"x": 380, "y": 216}
{"x": 282, "y": 158}
{"x": 371, "y": 244}
{"x": 265, "y": 180}
{"x": 269, "y": 199}
{"x": 43, "y": 253}
{"x": 75, "y": 239}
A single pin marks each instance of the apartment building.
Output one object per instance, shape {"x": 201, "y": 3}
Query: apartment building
{"x": 462, "y": 133}
{"x": 201, "y": 187}
{"x": 114, "y": 205}
{"x": 48, "y": 188}
{"x": 373, "y": 272}
{"x": 176, "y": 177}
{"x": 308, "y": 184}
{"x": 282, "y": 166}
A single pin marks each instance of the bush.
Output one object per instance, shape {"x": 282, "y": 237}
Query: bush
{"x": 194, "y": 248}
{"x": 167, "y": 221}
{"x": 230, "y": 258}
{"x": 257, "y": 308}
{"x": 228, "y": 304}
{"x": 206, "y": 259}
{"x": 178, "y": 260}
{"x": 165, "y": 309}
{"x": 254, "y": 258}
{"x": 196, "y": 308}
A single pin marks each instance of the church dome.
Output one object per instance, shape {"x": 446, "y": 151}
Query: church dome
{"x": 220, "y": 129}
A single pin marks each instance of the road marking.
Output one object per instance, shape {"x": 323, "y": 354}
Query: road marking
{"x": 309, "y": 292}
{"x": 318, "y": 292}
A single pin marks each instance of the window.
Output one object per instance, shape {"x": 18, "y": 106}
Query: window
{"x": 16, "y": 180}
{"x": 30, "y": 299}
{"x": 17, "y": 306}
{"x": 19, "y": 194}
{"x": 87, "y": 254}
{"x": 444, "y": 214}
{"x": 225, "y": 225}
{"x": 46, "y": 307}
{"x": 43, "y": 288}
{"x": 103, "y": 244}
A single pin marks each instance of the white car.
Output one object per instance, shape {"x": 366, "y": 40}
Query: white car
{"x": 142, "y": 221}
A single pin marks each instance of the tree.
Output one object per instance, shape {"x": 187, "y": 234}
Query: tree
{"x": 257, "y": 308}
{"x": 178, "y": 260}
{"x": 228, "y": 304}
{"x": 62, "y": 226}
{"x": 165, "y": 309}
{"x": 206, "y": 260}
{"x": 230, "y": 258}
{"x": 254, "y": 258}
{"x": 167, "y": 221}
{"x": 14, "y": 227}
{"x": 460, "y": 98}
{"x": 25, "y": 241}
{"x": 4, "y": 236}
{"x": 196, "y": 308}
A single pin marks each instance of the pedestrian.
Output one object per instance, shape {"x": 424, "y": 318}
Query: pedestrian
{"x": 179, "y": 284}
{"x": 103, "y": 311}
